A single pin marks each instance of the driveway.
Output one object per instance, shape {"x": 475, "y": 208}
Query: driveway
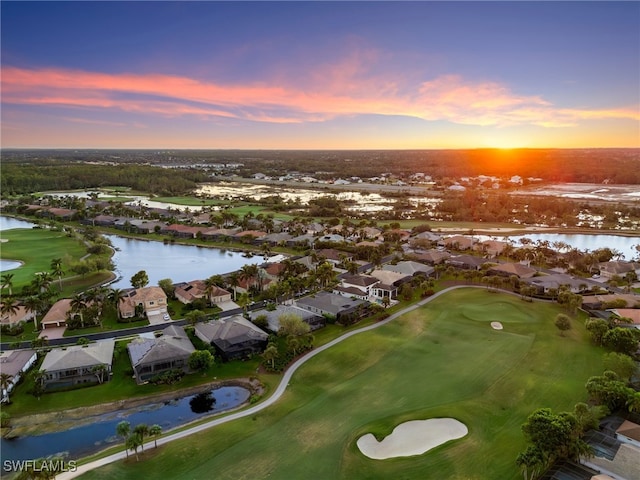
{"x": 224, "y": 306}
{"x": 51, "y": 333}
{"x": 157, "y": 319}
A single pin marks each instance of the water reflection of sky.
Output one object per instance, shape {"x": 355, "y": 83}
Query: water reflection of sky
{"x": 84, "y": 440}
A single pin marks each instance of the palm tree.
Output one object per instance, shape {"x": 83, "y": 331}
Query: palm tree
{"x": 123, "y": 429}
{"x": 249, "y": 273}
{"x": 9, "y": 307}
{"x": 210, "y": 287}
{"x": 132, "y": 443}
{"x": 234, "y": 279}
{"x": 155, "y": 431}
{"x": 56, "y": 269}
{"x": 77, "y": 305}
{"x": 5, "y": 381}
{"x": 142, "y": 430}
{"x": 34, "y": 304}
{"x": 7, "y": 282}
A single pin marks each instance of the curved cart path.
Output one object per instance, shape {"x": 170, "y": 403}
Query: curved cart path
{"x": 278, "y": 392}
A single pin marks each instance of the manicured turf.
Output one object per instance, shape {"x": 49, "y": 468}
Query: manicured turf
{"x": 36, "y": 248}
{"x": 443, "y": 360}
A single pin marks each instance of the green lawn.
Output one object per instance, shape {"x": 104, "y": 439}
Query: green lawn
{"x": 36, "y": 248}
{"x": 443, "y": 360}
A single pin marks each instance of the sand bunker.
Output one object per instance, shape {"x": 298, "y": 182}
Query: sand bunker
{"x": 412, "y": 438}
{"x": 496, "y": 325}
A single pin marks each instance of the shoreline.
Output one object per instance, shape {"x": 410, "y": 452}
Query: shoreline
{"x": 58, "y": 421}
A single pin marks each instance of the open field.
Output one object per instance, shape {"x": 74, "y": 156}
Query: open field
{"x": 442, "y": 360}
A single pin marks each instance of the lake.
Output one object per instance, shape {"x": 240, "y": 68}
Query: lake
{"x": 101, "y": 432}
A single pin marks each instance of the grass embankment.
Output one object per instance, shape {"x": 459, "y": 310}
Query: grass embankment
{"x": 121, "y": 387}
{"x": 442, "y": 360}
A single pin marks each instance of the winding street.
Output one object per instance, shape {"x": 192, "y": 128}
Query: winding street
{"x": 278, "y": 392}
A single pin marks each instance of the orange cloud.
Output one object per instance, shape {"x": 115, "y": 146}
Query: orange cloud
{"x": 349, "y": 89}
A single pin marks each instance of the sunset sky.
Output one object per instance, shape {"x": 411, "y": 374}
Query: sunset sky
{"x": 320, "y": 75}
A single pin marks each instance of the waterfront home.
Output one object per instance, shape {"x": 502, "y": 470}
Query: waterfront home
{"x": 234, "y": 337}
{"x": 188, "y": 292}
{"x": 78, "y": 364}
{"x": 154, "y": 356}
{"x": 457, "y": 242}
{"x": 150, "y": 301}
{"x": 15, "y": 363}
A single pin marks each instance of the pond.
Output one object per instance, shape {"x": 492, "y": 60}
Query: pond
{"x": 180, "y": 263}
{"x": 101, "y": 433}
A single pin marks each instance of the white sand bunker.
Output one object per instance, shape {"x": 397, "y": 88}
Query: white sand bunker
{"x": 412, "y": 438}
{"x": 496, "y": 325}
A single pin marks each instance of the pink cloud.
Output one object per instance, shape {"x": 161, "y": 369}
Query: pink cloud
{"x": 343, "y": 89}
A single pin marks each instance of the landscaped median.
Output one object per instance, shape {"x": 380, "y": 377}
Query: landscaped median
{"x": 443, "y": 360}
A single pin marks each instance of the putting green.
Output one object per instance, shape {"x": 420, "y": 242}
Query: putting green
{"x": 433, "y": 362}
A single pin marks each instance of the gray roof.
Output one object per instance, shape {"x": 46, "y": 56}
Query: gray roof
{"x": 232, "y": 330}
{"x": 274, "y": 315}
{"x": 409, "y": 268}
{"x": 174, "y": 343}
{"x": 12, "y": 362}
{"x": 78, "y": 356}
{"x": 329, "y": 302}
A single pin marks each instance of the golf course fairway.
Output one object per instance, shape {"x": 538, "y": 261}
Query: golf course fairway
{"x": 441, "y": 360}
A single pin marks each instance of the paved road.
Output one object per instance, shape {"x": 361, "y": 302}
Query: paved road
{"x": 279, "y": 391}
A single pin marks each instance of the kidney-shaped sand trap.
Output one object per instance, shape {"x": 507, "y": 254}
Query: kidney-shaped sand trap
{"x": 412, "y": 438}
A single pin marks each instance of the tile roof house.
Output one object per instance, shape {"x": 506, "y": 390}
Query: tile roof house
{"x": 633, "y": 314}
{"x": 154, "y": 356}
{"x": 152, "y": 301}
{"x": 509, "y": 269}
{"x": 15, "y": 363}
{"x": 468, "y": 262}
{"x": 65, "y": 367}
{"x": 188, "y": 292}
{"x": 595, "y": 302}
{"x": 234, "y": 337}
{"x": 545, "y": 283}
{"x": 432, "y": 257}
{"x": 457, "y": 242}
{"x": 57, "y": 314}
{"x": 20, "y": 315}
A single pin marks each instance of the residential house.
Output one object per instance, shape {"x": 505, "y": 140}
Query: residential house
{"x": 410, "y": 268}
{"x": 234, "y": 337}
{"x": 432, "y": 257}
{"x": 457, "y": 242}
{"x": 617, "y": 450}
{"x": 150, "y": 301}
{"x": 78, "y": 364}
{"x": 19, "y": 316}
{"x": 609, "y": 270}
{"x": 545, "y": 283}
{"x": 627, "y": 316}
{"x": 336, "y": 306}
{"x": 313, "y": 320}
{"x": 274, "y": 239}
{"x": 595, "y": 302}
{"x": 334, "y": 256}
{"x": 57, "y": 314}
{"x": 154, "y": 356}
{"x": 15, "y": 363}
{"x": 188, "y": 292}
{"x": 491, "y": 248}
{"x": 182, "y": 231}
{"x": 510, "y": 269}
{"x": 362, "y": 283}
{"x": 466, "y": 262}
{"x": 248, "y": 236}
